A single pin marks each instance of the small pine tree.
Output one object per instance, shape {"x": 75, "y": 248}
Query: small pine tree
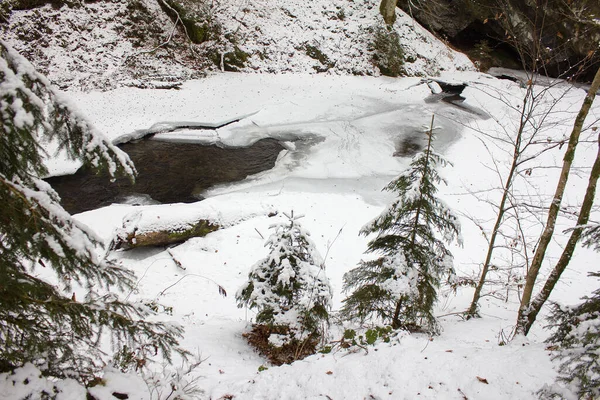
{"x": 388, "y": 54}
{"x": 288, "y": 288}
{"x": 400, "y": 287}
{"x": 41, "y": 320}
{"x": 578, "y": 336}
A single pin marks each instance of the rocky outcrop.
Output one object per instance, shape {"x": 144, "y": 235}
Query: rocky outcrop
{"x": 565, "y": 34}
{"x": 443, "y": 17}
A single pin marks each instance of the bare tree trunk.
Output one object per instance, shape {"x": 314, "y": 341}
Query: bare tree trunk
{"x": 472, "y": 311}
{"x": 473, "y": 308}
{"x": 396, "y": 318}
{"x": 523, "y": 324}
{"x": 565, "y": 258}
{"x": 387, "y": 8}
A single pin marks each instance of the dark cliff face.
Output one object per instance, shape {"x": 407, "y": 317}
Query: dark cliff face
{"x": 564, "y": 34}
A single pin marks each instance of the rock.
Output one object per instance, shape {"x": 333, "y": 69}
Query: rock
{"x": 568, "y": 42}
{"x": 449, "y": 87}
{"x": 444, "y": 17}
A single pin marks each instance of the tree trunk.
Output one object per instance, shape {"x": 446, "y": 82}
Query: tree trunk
{"x": 565, "y": 258}
{"x": 538, "y": 258}
{"x": 413, "y": 239}
{"x": 396, "y": 318}
{"x": 526, "y": 111}
{"x": 427, "y": 155}
{"x": 132, "y": 240}
{"x": 472, "y": 311}
{"x": 387, "y": 8}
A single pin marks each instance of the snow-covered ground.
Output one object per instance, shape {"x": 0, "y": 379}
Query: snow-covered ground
{"x": 344, "y": 137}
{"x": 107, "y": 44}
{"x": 341, "y": 136}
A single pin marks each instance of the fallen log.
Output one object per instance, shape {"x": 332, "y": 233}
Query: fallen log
{"x": 162, "y": 237}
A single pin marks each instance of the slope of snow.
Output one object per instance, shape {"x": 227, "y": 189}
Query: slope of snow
{"x": 411, "y": 367}
{"x": 99, "y": 44}
{"x": 88, "y": 46}
{"x": 276, "y": 33}
{"x": 342, "y": 134}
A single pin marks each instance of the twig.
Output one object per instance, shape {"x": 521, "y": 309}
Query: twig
{"x": 428, "y": 340}
{"x": 330, "y": 245}
{"x": 139, "y": 280}
{"x": 175, "y": 260}
{"x": 260, "y": 234}
{"x": 459, "y": 313}
{"x": 222, "y": 291}
{"x": 184, "y": 27}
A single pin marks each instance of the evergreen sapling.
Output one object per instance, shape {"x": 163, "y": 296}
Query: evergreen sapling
{"x": 41, "y": 319}
{"x": 399, "y": 287}
{"x": 289, "y": 288}
{"x": 578, "y": 337}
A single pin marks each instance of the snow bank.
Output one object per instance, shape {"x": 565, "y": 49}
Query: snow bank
{"x": 27, "y": 382}
{"x": 411, "y": 367}
{"x": 342, "y": 135}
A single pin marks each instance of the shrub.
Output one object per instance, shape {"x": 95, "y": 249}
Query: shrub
{"x": 232, "y": 61}
{"x": 198, "y": 21}
{"x": 388, "y": 54}
{"x": 316, "y": 54}
{"x": 290, "y": 292}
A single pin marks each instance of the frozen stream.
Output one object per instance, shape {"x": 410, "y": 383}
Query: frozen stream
{"x": 182, "y": 162}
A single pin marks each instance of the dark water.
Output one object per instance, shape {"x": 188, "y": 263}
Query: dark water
{"x": 167, "y": 172}
{"x": 410, "y": 145}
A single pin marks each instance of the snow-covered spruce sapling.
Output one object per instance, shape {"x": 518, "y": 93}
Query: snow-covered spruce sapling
{"x": 399, "y": 287}
{"x": 42, "y": 320}
{"x": 289, "y": 290}
{"x": 578, "y": 337}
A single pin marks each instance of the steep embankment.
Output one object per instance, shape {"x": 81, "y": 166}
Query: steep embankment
{"x": 558, "y": 38}
{"x": 104, "y": 44}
